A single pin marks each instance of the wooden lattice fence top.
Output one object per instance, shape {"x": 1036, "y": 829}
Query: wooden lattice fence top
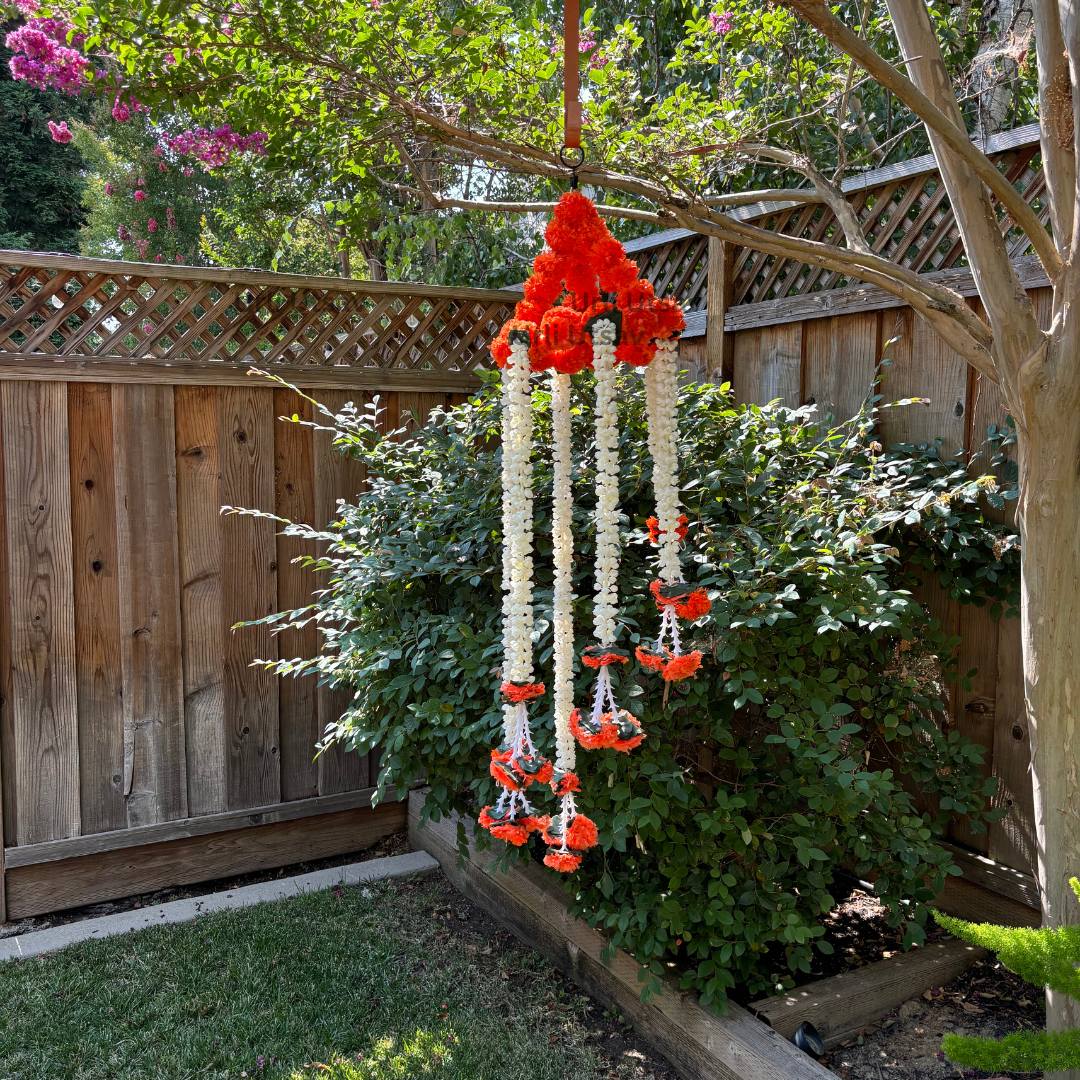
{"x": 107, "y": 316}
{"x": 904, "y": 212}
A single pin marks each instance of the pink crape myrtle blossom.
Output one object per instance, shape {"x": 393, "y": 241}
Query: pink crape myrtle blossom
{"x": 27, "y": 7}
{"x": 721, "y": 21}
{"x": 60, "y": 133}
{"x": 121, "y": 113}
{"x": 151, "y": 225}
{"x": 108, "y": 187}
{"x": 44, "y": 59}
{"x": 170, "y": 218}
{"x": 139, "y": 194}
{"x": 214, "y": 147}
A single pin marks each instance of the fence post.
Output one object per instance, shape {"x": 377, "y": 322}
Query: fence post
{"x": 718, "y": 293}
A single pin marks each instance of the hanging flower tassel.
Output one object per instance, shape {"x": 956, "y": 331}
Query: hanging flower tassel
{"x": 674, "y": 598}
{"x": 607, "y": 726}
{"x": 515, "y": 765}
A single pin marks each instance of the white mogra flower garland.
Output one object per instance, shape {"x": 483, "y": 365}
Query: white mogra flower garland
{"x": 660, "y": 386}
{"x": 562, "y": 497}
{"x": 517, "y": 476}
{"x": 605, "y": 607}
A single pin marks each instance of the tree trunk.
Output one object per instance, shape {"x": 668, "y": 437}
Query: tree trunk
{"x": 1049, "y": 450}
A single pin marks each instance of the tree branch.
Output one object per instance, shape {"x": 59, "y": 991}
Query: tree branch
{"x": 951, "y": 133}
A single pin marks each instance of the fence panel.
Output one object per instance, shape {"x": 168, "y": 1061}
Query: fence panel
{"x": 137, "y": 737}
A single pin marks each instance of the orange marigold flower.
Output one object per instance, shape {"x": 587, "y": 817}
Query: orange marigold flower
{"x": 535, "y": 823}
{"x": 485, "y": 819}
{"x": 512, "y": 832}
{"x": 536, "y": 770}
{"x": 500, "y": 347}
{"x": 566, "y": 784}
{"x": 655, "y": 532}
{"x": 681, "y": 667}
{"x": 589, "y": 735}
{"x": 564, "y": 861}
{"x": 582, "y": 833}
{"x": 669, "y": 595}
{"x": 518, "y": 692}
{"x": 695, "y": 606}
{"x": 598, "y": 656}
{"x": 648, "y": 659}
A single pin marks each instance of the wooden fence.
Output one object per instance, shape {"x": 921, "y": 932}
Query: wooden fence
{"x": 778, "y": 329}
{"x": 139, "y": 747}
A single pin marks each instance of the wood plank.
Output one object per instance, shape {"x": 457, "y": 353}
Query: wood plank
{"x": 80, "y": 846}
{"x": 976, "y": 904}
{"x": 155, "y": 771}
{"x": 996, "y": 877}
{"x": 21, "y": 367}
{"x": 1013, "y": 838}
{"x": 7, "y": 729}
{"x": 199, "y": 528}
{"x": 249, "y": 591}
{"x": 294, "y": 493}
{"x": 531, "y": 903}
{"x": 54, "y": 886}
{"x": 719, "y": 291}
{"x": 41, "y": 611}
{"x": 922, "y": 366}
{"x": 337, "y": 476}
{"x": 99, "y": 681}
{"x": 853, "y": 299}
{"x": 767, "y": 365}
{"x": 841, "y": 361}
{"x": 976, "y": 700}
{"x": 7, "y": 757}
{"x": 841, "y": 1006}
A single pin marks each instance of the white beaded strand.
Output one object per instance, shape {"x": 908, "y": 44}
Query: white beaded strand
{"x": 660, "y": 391}
{"x": 605, "y": 607}
{"x": 563, "y": 559}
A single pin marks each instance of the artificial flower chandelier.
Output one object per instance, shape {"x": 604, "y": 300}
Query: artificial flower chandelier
{"x": 584, "y": 307}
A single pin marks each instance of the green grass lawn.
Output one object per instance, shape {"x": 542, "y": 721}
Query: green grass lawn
{"x": 396, "y": 980}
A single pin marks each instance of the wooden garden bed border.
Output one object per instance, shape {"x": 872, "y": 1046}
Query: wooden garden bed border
{"x": 530, "y": 903}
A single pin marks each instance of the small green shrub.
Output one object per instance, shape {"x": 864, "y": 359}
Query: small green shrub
{"x": 1043, "y": 957}
{"x": 722, "y": 836}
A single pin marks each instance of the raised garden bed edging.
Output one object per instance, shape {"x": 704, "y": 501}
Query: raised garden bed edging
{"x": 528, "y": 902}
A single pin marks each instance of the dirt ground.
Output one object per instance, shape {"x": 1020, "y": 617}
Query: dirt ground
{"x": 986, "y": 1000}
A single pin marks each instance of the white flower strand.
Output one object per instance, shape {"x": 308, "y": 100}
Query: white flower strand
{"x": 518, "y": 516}
{"x": 660, "y": 390}
{"x": 605, "y": 607}
{"x": 563, "y": 557}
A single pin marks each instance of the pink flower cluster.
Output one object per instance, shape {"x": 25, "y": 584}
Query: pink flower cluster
{"x": 214, "y": 147}
{"x": 721, "y": 22}
{"x": 44, "y": 59}
{"x": 60, "y": 133}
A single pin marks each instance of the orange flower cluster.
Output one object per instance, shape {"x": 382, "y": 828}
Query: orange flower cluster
{"x": 513, "y": 831}
{"x": 567, "y": 841}
{"x": 672, "y": 667}
{"x": 614, "y": 731}
{"x": 567, "y": 784}
{"x": 655, "y": 532}
{"x": 517, "y": 773}
{"x": 689, "y": 604}
{"x": 598, "y": 656}
{"x": 583, "y": 273}
{"x": 518, "y": 692}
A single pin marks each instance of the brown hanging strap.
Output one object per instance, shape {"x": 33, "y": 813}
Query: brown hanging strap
{"x": 572, "y": 86}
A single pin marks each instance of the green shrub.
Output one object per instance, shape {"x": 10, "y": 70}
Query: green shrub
{"x": 722, "y": 836}
{"x": 1043, "y": 957}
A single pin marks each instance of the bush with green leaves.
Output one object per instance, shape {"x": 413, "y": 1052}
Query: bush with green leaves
{"x": 1048, "y": 956}
{"x": 814, "y": 740}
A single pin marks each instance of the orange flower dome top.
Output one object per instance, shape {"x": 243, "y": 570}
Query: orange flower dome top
{"x": 584, "y": 273}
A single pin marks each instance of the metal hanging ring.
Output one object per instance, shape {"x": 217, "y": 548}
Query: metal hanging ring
{"x": 573, "y": 157}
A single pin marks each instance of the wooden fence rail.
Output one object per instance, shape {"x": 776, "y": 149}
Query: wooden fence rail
{"x": 131, "y": 717}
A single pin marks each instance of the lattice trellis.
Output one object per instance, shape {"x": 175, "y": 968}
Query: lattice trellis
{"x": 908, "y": 220}
{"x": 678, "y": 268}
{"x": 88, "y": 309}
{"x": 906, "y": 217}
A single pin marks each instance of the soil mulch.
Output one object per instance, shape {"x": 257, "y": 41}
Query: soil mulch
{"x": 986, "y": 1000}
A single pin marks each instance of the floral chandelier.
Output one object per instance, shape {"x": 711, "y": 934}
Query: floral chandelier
{"x": 584, "y": 307}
